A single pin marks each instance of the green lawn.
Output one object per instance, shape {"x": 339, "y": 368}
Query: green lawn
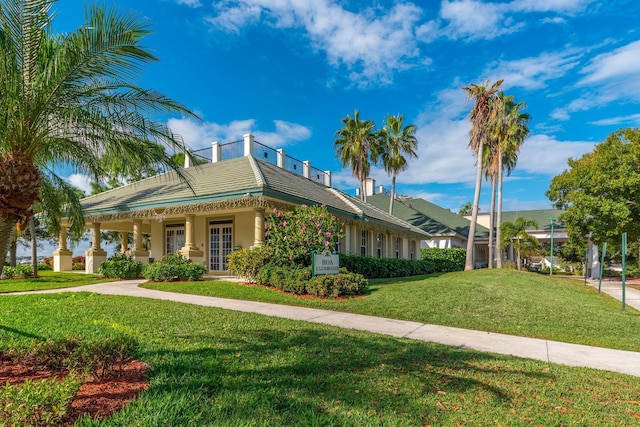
{"x": 224, "y": 368}
{"x": 505, "y": 301}
{"x": 50, "y": 280}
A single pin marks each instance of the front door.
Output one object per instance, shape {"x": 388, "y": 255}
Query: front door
{"x": 220, "y": 244}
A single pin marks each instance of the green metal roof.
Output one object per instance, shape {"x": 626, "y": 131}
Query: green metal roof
{"x": 541, "y": 216}
{"x": 232, "y": 179}
{"x": 427, "y": 216}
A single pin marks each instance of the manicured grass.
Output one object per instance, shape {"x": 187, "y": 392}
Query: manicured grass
{"x": 505, "y": 301}
{"x": 224, "y": 368}
{"x": 50, "y": 280}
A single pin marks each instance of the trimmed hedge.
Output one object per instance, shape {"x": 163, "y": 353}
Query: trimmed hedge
{"x": 450, "y": 259}
{"x": 247, "y": 263}
{"x": 434, "y": 261}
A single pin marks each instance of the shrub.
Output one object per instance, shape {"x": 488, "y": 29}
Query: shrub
{"x": 78, "y": 262}
{"x": 20, "y": 270}
{"x": 49, "y": 261}
{"x": 173, "y": 267}
{"x": 294, "y": 234}
{"x": 450, "y": 259}
{"x": 285, "y": 277}
{"x": 97, "y": 358}
{"x": 335, "y": 285}
{"x": 373, "y": 268}
{"x": 42, "y": 402}
{"x": 121, "y": 266}
{"x": 247, "y": 263}
{"x": 43, "y": 266}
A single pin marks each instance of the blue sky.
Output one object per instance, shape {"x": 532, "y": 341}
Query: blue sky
{"x": 289, "y": 70}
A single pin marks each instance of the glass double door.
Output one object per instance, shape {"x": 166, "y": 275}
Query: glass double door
{"x": 220, "y": 244}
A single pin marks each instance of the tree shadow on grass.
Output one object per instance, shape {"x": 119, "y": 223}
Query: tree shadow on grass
{"x": 287, "y": 375}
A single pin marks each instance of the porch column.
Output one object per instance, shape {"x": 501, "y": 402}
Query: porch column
{"x": 95, "y": 256}
{"x": 258, "y": 233}
{"x": 189, "y": 250}
{"x": 138, "y": 252}
{"x": 347, "y": 239}
{"x": 62, "y": 256}
{"x": 124, "y": 244}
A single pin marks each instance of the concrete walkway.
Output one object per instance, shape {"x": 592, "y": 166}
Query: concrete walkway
{"x": 626, "y": 362}
{"x": 614, "y": 289}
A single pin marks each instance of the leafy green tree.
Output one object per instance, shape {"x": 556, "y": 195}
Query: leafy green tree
{"x": 482, "y": 114}
{"x": 354, "y": 145}
{"x": 515, "y": 233}
{"x": 295, "y": 233}
{"x": 71, "y": 99}
{"x": 396, "y": 141}
{"x": 600, "y": 192}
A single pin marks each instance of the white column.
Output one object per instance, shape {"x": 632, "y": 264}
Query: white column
{"x": 594, "y": 260}
{"x": 189, "y": 250}
{"x": 258, "y": 232}
{"x": 306, "y": 168}
{"x": 62, "y": 257}
{"x": 282, "y": 156}
{"x": 248, "y": 144}
{"x": 216, "y": 154}
{"x": 95, "y": 256}
{"x": 138, "y": 252}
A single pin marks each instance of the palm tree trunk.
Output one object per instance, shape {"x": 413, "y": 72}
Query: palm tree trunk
{"x": 518, "y": 258}
{"x": 491, "y": 218}
{"x": 13, "y": 253}
{"x": 469, "y": 260}
{"x": 393, "y": 194}
{"x": 499, "y": 214}
{"x": 7, "y": 230}
{"x": 34, "y": 247}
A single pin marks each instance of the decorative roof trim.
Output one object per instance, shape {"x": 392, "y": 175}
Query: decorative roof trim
{"x": 152, "y": 213}
{"x": 348, "y": 202}
{"x": 257, "y": 172}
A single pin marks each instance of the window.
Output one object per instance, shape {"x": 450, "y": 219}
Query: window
{"x": 412, "y": 249}
{"x": 397, "y": 247}
{"x": 174, "y": 238}
{"x": 364, "y": 235}
{"x": 379, "y": 243}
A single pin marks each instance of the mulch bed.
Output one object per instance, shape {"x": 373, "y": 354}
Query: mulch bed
{"x": 97, "y": 398}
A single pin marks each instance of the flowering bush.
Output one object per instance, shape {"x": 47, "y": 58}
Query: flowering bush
{"x": 297, "y": 232}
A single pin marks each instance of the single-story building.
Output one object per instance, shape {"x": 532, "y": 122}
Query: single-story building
{"x": 222, "y": 206}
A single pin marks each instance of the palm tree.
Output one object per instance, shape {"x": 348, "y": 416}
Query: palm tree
{"x": 490, "y": 166}
{"x": 482, "y": 112}
{"x": 396, "y": 141}
{"x": 69, "y": 100}
{"x": 509, "y": 131}
{"x": 516, "y": 234}
{"x": 354, "y": 145}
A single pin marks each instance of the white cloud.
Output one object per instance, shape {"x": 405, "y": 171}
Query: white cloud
{"x": 475, "y": 19}
{"x": 621, "y": 63}
{"x": 201, "y": 134}
{"x": 632, "y": 118}
{"x": 83, "y": 182}
{"x": 533, "y": 73}
{"x": 554, "y": 20}
{"x": 190, "y": 3}
{"x": 371, "y": 47}
{"x": 542, "y": 154}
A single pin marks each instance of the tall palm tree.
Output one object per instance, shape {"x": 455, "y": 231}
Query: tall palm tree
{"x": 481, "y": 114}
{"x": 509, "y": 131}
{"x": 354, "y": 145}
{"x": 490, "y": 166}
{"x": 396, "y": 141}
{"x": 67, "y": 100}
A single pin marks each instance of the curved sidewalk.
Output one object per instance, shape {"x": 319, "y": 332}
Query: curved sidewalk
{"x": 626, "y": 362}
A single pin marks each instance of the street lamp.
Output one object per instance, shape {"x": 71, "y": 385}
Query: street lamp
{"x": 553, "y": 223}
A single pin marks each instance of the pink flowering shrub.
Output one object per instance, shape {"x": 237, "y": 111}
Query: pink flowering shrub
{"x": 295, "y": 233}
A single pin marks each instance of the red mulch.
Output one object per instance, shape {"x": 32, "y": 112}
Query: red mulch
{"x": 96, "y": 398}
